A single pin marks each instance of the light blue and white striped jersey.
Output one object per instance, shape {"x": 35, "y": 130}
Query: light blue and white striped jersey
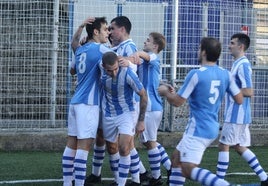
{"x": 235, "y": 113}
{"x": 118, "y": 93}
{"x": 87, "y": 59}
{"x": 205, "y": 88}
{"x": 125, "y": 49}
{"x": 149, "y": 74}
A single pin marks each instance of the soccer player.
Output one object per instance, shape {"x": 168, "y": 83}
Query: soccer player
{"x": 84, "y": 109}
{"x": 235, "y": 131}
{"x": 204, "y": 88}
{"x": 118, "y": 112}
{"x": 149, "y": 74}
{"x": 120, "y": 28}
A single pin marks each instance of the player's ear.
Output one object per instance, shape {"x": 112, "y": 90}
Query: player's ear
{"x": 203, "y": 53}
{"x": 155, "y": 47}
{"x": 96, "y": 32}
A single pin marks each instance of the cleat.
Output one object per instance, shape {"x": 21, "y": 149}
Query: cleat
{"x": 264, "y": 183}
{"x": 154, "y": 182}
{"x": 144, "y": 178}
{"x": 168, "y": 175}
{"x": 92, "y": 179}
{"x": 113, "y": 184}
{"x": 133, "y": 184}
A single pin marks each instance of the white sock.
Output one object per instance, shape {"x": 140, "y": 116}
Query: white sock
{"x": 114, "y": 160}
{"x": 223, "y": 163}
{"x": 253, "y": 162}
{"x": 123, "y": 169}
{"x": 68, "y": 165}
{"x": 80, "y": 166}
{"x": 135, "y": 166}
{"x": 176, "y": 178}
{"x": 97, "y": 160}
{"x": 154, "y": 161}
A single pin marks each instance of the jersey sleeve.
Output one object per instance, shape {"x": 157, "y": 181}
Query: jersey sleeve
{"x": 130, "y": 49}
{"x": 244, "y": 75}
{"x": 189, "y": 84}
{"x": 133, "y": 81}
{"x": 233, "y": 88}
{"x": 104, "y": 49}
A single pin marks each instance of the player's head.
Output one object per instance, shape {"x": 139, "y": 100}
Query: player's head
{"x": 98, "y": 30}
{"x": 110, "y": 63}
{"x": 122, "y": 21}
{"x": 120, "y": 29}
{"x": 239, "y": 44}
{"x": 210, "y": 49}
{"x": 154, "y": 43}
{"x": 242, "y": 39}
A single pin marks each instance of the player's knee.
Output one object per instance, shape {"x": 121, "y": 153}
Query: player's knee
{"x": 124, "y": 150}
{"x": 239, "y": 149}
{"x": 187, "y": 169}
{"x": 112, "y": 148}
{"x": 150, "y": 145}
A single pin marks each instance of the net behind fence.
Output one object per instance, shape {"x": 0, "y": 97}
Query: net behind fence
{"x": 35, "y": 54}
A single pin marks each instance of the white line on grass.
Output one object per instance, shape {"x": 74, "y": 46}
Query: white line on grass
{"x": 105, "y": 179}
{"x": 40, "y": 181}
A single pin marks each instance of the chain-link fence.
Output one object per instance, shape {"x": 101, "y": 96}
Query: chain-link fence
{"x": 35, "y": 51}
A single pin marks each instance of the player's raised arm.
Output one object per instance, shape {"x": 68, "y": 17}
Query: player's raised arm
{"x": 76, "y": 38}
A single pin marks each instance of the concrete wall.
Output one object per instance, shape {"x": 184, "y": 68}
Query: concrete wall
{"x": 55, "y": 140}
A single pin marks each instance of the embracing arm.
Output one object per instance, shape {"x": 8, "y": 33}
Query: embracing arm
{"x": 144, "y": 55}
{"x": 173, "y": 98}
{"x": 137, "y": 56}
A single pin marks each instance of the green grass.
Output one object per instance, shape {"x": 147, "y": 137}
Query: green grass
{"x": 47, "y": 165}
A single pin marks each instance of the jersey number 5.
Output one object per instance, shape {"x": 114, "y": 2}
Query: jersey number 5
{"x": 214, "y": 90}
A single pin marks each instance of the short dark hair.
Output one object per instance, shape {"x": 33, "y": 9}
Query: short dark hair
{"x": 242, "y": 39}
{"x": 212, "y": 47}
{"x": 109, "y": 58}
{"x": 159, "y": 40}
{"x": 123, "y": 21}
{"x": 95, "y": 25}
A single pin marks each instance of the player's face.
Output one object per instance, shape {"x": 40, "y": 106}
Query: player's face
{"x": 104, "y": 33}
{"x": 116, "y": 33}
{"x": 149, "y": 44}
{"x": 235, "y": 47}
{"x": 112, "y": 70}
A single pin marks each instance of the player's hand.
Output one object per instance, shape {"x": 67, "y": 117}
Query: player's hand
{"x": 171, "y": 88}
{"x": 163, "y": 90}
{"x": 88, "y": 20}
{"x": 136, "y": 58}
{"x": 140, "y": 127}
{"x": 123, "y": 62}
